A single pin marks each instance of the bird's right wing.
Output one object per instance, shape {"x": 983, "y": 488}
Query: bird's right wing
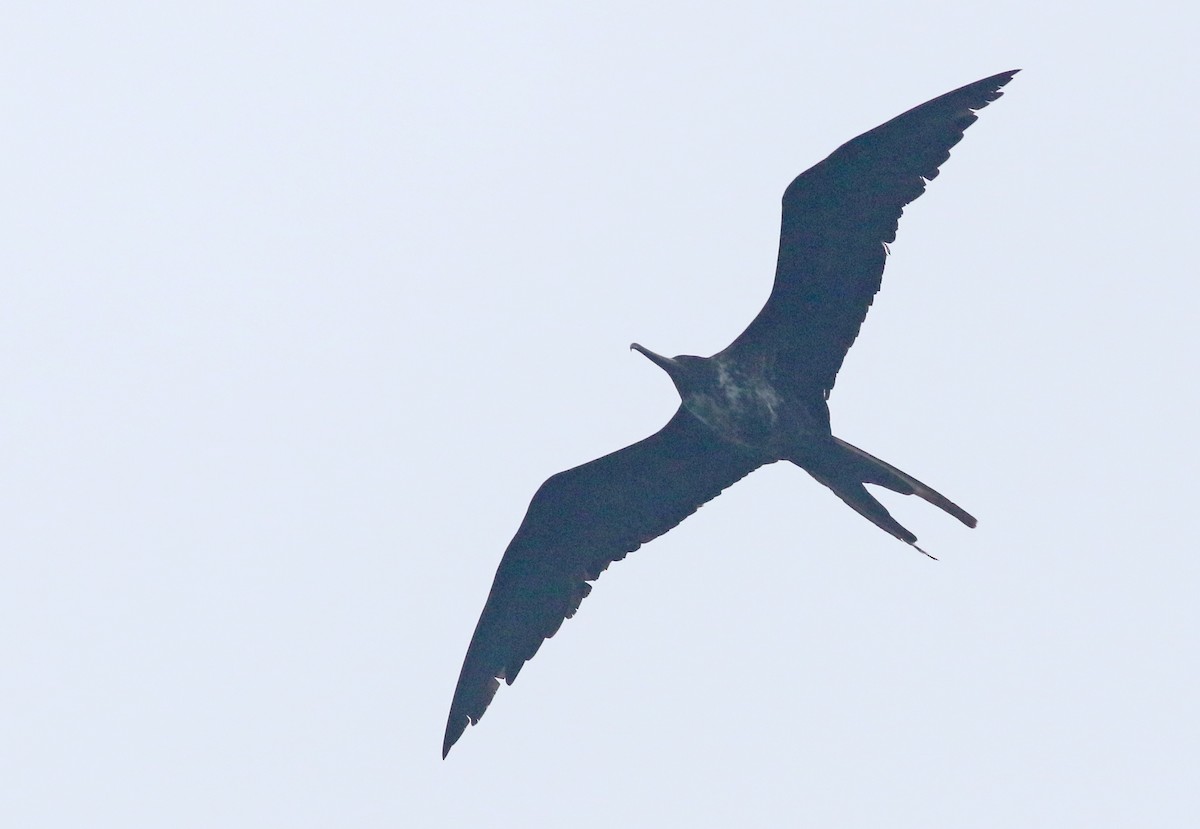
{"x": 838, "y": 217}
{"x": 579, "y": 522}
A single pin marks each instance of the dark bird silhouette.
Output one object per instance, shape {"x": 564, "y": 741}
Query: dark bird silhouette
{"x": 761, "y": 400}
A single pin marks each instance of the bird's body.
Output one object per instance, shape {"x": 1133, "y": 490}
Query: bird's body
{"x": 739, "y": 402}
{"x": 760, "y": 400}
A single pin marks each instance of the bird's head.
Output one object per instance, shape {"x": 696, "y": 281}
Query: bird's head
{"x": 687, "y": 372}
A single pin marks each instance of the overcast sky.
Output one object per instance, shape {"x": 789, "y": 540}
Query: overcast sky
{"x": 301, "y": 302}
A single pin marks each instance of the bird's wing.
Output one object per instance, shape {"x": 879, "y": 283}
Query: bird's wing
{"x": 579, "y": 522}
{"x": 837, "y": 218}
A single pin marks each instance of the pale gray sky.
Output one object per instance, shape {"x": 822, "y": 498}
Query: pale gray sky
{"x": 302, "y": 302}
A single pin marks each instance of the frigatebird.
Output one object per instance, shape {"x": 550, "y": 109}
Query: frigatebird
{"x": 760, "y": 400}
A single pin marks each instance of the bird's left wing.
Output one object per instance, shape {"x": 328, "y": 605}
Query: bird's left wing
{"x": 579, "y": 522}
{"x": 838, "y": 218}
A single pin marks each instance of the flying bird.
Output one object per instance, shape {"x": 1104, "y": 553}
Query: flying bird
{"x": 760, "y": 400}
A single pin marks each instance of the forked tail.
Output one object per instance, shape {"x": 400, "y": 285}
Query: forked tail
{"x": 846, "y": 468}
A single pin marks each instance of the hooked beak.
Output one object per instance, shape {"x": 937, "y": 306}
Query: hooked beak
{"x": 665, "y": 363}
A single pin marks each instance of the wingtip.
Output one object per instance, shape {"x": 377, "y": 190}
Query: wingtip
{"x": 452, "y": 735}
{"x": 1004, "y": 77}
{"x": 456, "y": 726}
{"x": 990, "y": 88}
